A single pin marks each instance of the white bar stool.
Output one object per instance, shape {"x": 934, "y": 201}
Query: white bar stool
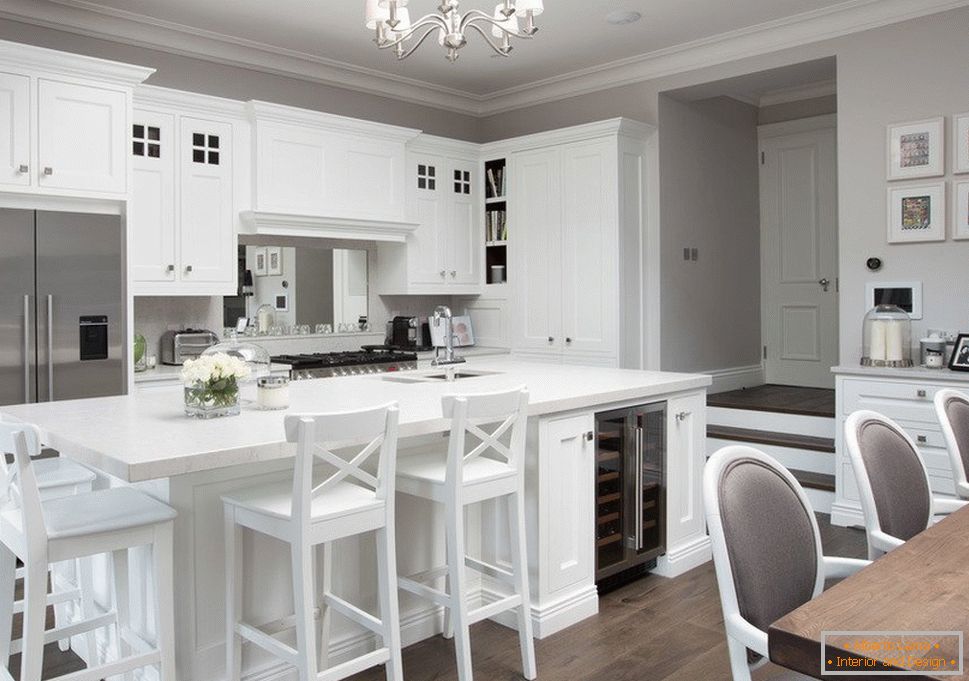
{"x": 458, "y": 477}
{"x": 349, "y": 501}
{"x": 60, "y": 477}
{"x": 65, "y": 529}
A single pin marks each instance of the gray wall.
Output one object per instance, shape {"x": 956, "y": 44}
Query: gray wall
{"x": 791, "y": 111}
{"x": 196, "y": 75}
{"x": 314, "y": 281}
{"x": 709, "y": 187}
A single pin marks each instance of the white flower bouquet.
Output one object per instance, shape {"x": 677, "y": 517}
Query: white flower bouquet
{"x": 212, "y": 385}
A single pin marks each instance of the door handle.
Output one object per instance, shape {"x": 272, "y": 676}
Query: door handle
{"x": 50, "y": 348}
{"x": 639, "y": 488}
{"x": 26, "y": 348}
{"x": 825, "y": 283}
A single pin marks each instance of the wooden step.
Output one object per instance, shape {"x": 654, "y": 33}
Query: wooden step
{"x": 778, "y": 398}
{"x": 764, "y": 437}
{"x": 819, "y": 481}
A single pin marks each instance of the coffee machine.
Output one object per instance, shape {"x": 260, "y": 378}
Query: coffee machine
{"x": 409, "y": 333}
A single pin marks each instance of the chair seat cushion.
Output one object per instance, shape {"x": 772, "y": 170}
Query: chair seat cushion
{"x": 106, "y": 510}
{"x": 60, "y": 472}
{"x": 276, "y": 500}
{"x": 431, "y": 467}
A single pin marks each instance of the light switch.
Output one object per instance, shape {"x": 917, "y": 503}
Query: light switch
{"x": 686, "y": 253}
{"x": 694, "y": 254}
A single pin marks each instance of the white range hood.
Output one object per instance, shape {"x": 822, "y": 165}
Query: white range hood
{"x": 323, "y": 227}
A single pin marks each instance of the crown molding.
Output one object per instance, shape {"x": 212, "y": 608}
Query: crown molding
{"x": 260, "y": 112}
{"x": 152, "y": 97}
{"x": 326, "y": 227}
{"x": 54, "y": 62}
{"x": 86, "y": 18}
{"x": 823, "y": 88}
{"x": 625, "y": 127}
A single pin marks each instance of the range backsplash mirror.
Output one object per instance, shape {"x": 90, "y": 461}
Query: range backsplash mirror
{"x": 306, "y": 286}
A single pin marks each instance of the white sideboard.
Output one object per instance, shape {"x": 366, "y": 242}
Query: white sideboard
{"x": 904, "y": 395}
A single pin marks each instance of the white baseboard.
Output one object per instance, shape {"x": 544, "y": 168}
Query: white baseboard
{"x": 735, "y": 378}
{"x": 684, "y": 557}
{"x": 821, "y": 500}
{"x": 847, "y": 515}
{"x": 553, "y": 617}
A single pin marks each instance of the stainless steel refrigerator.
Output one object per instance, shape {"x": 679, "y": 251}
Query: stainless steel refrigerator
{"x": 62, "y": 306}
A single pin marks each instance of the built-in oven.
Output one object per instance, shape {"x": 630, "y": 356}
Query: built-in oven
{"x": 630, "y": 491}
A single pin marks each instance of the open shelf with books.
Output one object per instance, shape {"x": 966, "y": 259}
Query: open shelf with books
{"x": 496, "y": 222}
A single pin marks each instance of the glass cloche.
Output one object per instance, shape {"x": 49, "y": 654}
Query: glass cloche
{"x": 887, "y": 338}
{"x": 256, "y": 356}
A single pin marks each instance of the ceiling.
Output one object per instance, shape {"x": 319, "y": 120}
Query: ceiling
{"x": 325, "y": 40}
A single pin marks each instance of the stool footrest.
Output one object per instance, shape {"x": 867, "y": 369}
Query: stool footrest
{"x": 352, "y": 612}
{"x": 492, "y": 609}
{"x": 267, "y": 643}
{"x": 53, "y": 599}
{"x": 428, "y": 575}
{"x": 71, "y": 630}
{"x": 115, "y": 668}
{"x": 424, "y": 591}
{"x": 490, "y": 570}
{"x": 357, "y": 664}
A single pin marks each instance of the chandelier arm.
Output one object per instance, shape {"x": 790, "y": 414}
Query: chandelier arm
{"x": 432, "y": 20}
{"x": 488, "y": 39}
{"x": 410, "y": 51}
{"x": 471, "y": 16}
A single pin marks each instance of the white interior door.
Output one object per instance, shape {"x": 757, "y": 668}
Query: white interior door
{"x": 799, "y": 252}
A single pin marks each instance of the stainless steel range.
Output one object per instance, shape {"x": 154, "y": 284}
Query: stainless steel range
{"x": 369, "y": 360}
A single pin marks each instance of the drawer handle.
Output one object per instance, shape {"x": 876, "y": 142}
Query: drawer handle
{"x": 170, "y": 268}
{"x": 48, "y": 171}
{"x": 921, "y": 393}
{"x": 922, "y": 439}
{"x": 23, "y": 168}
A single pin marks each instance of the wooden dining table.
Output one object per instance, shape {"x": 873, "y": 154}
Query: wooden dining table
{"x": 919, "y": 588}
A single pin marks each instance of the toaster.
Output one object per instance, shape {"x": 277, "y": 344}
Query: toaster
{"x": 178, "y": 346}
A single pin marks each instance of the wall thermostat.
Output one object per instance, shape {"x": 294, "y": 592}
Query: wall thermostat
{"x": 874, "y": 264}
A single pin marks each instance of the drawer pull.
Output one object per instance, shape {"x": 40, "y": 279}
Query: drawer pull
{"x": 922, "y": 439}
{"x": 921, "y": 393}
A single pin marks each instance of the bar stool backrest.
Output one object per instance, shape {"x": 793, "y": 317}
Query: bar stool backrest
{"x": 330, "y": 438}
{"x": 18, "y": 488}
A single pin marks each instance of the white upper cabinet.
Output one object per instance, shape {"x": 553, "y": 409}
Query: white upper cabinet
{"x": 14, "y": 129}
{"x": 444, "y": 254}
{"x": 151, "y": 211}
{"x": 81, "y": 137}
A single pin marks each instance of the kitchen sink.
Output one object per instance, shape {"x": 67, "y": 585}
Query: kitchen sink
{"x": 461, "y": 374}
{"x": 436, "y": 376}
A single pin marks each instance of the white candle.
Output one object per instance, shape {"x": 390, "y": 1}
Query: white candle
{"x": 877, "y": 350}
{"x": 893, "y": 341}
{"x": 273, "y": 393}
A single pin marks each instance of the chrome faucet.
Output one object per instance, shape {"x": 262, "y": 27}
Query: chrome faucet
{"x": 442, "y": 314}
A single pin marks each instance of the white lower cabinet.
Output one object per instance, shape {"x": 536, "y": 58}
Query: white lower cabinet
{"x": 905, "y": 396}
{"x": 182, "y": 221}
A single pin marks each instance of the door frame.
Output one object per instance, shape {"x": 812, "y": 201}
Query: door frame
{"x": 783, "y": 129}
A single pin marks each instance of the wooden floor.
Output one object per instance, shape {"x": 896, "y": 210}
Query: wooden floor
{"x": 654, "y": 629}
{"x": 778, "y": 398}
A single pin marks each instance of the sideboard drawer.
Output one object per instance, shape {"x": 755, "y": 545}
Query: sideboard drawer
{"x": 898, "y": 401}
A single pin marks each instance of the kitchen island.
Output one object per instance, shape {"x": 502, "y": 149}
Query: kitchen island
{"x": 146, "y": 440}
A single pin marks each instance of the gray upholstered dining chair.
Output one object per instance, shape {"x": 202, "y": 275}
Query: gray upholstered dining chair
{"x": 952, "y": 408}
{"x": 766, "y": 549}
{"x": 893, "y": 484}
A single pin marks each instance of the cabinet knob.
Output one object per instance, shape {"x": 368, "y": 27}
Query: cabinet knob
{"x": 443, "y": 274}
{"x": 48, "y": 171}
{"x": 551, "y": 339}
{"x": 188, "y": 268}
{"x": 454, "y": 273}
{"x": 921, "y": 393}
{"x": 590, "y": 436}
{"x": 170, "y": 268}
{"x": 922, "y": 439}
{"x": 568, "y": 340}
{"x": 682, "y": 416}
{"x": 23, "y": 168}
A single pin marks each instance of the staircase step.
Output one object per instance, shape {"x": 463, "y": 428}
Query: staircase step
{"x": 763, "y": 437}
{"x": 819, "y": 481}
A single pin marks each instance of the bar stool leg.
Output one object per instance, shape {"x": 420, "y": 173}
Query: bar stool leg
{"x": 8, "y": 583}
{"x": 519, "y": 562}
{"x": 326, "y": 565}
{"x": 162, "y": 553}
{"x": 35, "y": 617}
{"x": 85, "y": 580}
{"x": 122, "y": 604}
{"x": 389, "y": 606}
{"x": 61, "y": 610}
{"x": 449, "y": 589}
{"x": 458, "y": 584}
{"x": 233, "y": 595}
{"x": 305, "y": 598}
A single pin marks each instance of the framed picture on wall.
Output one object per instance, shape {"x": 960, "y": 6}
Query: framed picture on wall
{"x": 960, "y": 211}
{"x": 916, "y": 149}
{"x": 960, "y": 145}
{"x": 916, "y": 213}
{"x": 260, "y": 269}
{"x": 274, "y": 261}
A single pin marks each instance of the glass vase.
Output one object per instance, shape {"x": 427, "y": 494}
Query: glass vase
{"x": 211, "y": 400}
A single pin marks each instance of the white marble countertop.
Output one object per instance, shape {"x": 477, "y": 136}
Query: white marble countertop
{"x": 146, "y": 436}
{"x": 167, "y": 373}
{"x": 919, "y": 373}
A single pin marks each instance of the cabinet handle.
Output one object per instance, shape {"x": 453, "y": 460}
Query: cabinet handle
{"x": 23, "y": 168}
{"x": 590, "y": 436}
{"x": 188, "y": 268}
{"x": 922, "y": 439}
{"x": 443, "y": 274}
{"x": 921, "y": 393}
{"x": 170, "y": 268}
{"x": 682, "y": 416}
{"x": 454, "y": 273}
{"x": 568, "y": 340}
{"x": 48, "y": 171}
{"x": 551, "y": 339}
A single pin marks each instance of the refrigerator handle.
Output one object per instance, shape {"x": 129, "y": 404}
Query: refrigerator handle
{"x": 26, "y": 347}
{"x": 639, "y": 488}
{"x": 50, "y": 347}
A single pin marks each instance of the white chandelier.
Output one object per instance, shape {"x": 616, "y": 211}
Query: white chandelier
{"x": 394, "y": 29}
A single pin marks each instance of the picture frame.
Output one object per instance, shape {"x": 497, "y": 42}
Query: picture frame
{"x": 960, "y": 356}
{"x": 281, "y": 302}
{"x": 960, "y": 143}
{"x": 274, "y": 261}
{"x": 960, "y": 210}
{"x": 259, "y": 267}
{"x": 916, "y": 149}
{"x": 462, "y": 333}
{"x": 916, "y": 213}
